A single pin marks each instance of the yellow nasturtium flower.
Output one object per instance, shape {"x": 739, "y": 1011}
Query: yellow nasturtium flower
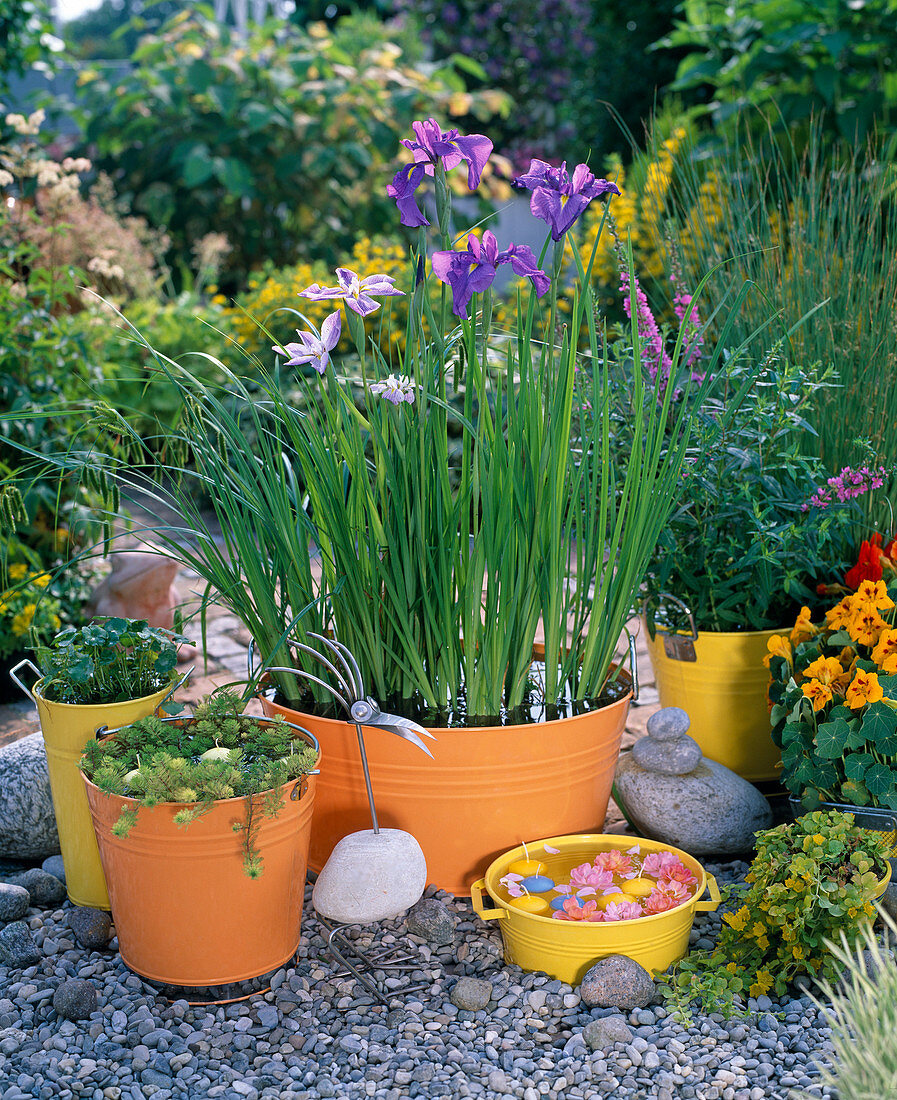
{"x": 866, "y": 625}
{"x": 803, "y": 628}
{"x": 778, "y": 646}
{"x": 885, "y": 652}
{"x": 874, "y": 594}
{"x": 864, "y": 689}
{"x": 819, "y": 693}
{"x": 824, "y": 669}
{"x": 839, "y": 616}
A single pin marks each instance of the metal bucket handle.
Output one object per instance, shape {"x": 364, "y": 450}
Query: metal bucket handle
{"x": 649, "y": 616}
{"x": 711, "y": 905}
{"x": 25, "y": 663}
{"x": 476, "y": 898}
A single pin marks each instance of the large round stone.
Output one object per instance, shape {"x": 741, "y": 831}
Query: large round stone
{"x": 675, "y": 757}
{"x": 601, "y": 1034}
{"x": 371, "y": 877}
{"x": 45, "y": 889}
{"x": 27, "y": 820}
{"x": 617, "y": 982}
{"x": 14, "y": 902}
{"x": 472, "y": 994}
{"x": 75, "y": 999}
{"x": 709, "y": 811}
{"x": 18, "y": 949}
{"x": 92, "y": 928}
{"x": 668, "y": 724}
{"x": 432, "y": 920}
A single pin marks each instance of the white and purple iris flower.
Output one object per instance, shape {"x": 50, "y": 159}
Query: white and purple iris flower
{"x": 312, "y": 348}
{"x": 396, "y": 388}
{"x": 433, "y": 144}
{"x": 358, "y": 294}
{"x": 473, "y": 270}
{"x": 558, "y": 198}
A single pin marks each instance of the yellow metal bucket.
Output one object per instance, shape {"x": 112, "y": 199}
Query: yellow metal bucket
{"x": 721, "y": 681}
{"x": 67, "y": 728}
{"x": 567, "y": 949}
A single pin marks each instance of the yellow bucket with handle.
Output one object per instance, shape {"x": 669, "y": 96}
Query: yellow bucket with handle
{"x": 567, "y": 949}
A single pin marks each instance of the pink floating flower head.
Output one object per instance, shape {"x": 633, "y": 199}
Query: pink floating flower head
{"x": 615, "y": 861}
{"x": 659, "y": 901}
{"x": 587, "y": 874}
{"x": 431, "y": 145}
{"x": 473, "y": 270}
{"x": 358, "y": 294}
{"x": 574, "y": 911}
{"x": 622, "y": 910}
{"x": 313, "y": 348}
{"x": 559, "y": 198}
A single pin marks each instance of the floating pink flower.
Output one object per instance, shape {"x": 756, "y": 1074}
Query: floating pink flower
{"x": 574, "y": 911}
{"x": 623, "y": 910}
{"x": 659, "y": 901}
{"x": 614, "y": 861}
{"x": 679, "y": 873}
{"x": 587, "y": 874}
{"x": 656, "y": 863}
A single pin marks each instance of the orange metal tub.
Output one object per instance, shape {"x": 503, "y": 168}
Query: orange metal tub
{"x": 486, "y": 788}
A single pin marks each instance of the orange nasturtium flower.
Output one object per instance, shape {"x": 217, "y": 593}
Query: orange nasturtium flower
{"x": 778, "y": 646}
{"x": 866, "y": 625}
{"x": 864, "y": 689}
{"x": 885, "y": 653}
{"x": 803, "y": 628}
{"x": 819, "y": 693}
{"x": 839, "y": 616}
{"x": 874, "y": 594}
{"x": 824, "y": 669}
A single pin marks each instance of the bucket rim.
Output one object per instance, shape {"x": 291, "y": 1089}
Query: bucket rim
{"x": 557, "y": 841}
{"x": 100, "y": 706}
{"x": 723, "y": 633}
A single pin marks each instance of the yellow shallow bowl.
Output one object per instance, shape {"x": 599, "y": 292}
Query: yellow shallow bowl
{"x": 566, "y": 949}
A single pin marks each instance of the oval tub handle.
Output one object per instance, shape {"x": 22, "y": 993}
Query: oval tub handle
{"x": 476, "y": 898}
{"x": 715, "y": 897}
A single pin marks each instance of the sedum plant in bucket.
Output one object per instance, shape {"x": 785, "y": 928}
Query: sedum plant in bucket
{"x": 106, "y": 673}
{"x": 203, "y": 826}
{"x": 441, "y": 514}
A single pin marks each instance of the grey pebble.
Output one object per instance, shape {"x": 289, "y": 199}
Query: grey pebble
{"x": 602, "y": 1034}
{"x": 472, "y": 994}
{"x": 14, "y": 902}
{"x": 45, "y": 889}
{"x": 431, "y": 919}
{"x": 18, "y": 948}
{"x": 75, "y": 999}
{"x": 92, "y": 928}
{"x": 53, "y": 865}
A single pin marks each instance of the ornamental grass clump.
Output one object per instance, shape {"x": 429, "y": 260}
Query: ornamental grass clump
{"x": 810, "y": 882}
{"x": 217, "y": 754}
{"x": 457, "y": 498}
{"x": 833, "y": 690}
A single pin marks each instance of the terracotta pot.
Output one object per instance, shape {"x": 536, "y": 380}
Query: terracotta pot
{"x": 719, "y": 678}
{"x": 486, "y": 788}
{"x": 185, "y": 912}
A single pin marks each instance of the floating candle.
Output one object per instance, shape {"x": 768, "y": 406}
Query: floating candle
{"x": 527, "y": 867}
{"x": 537, "y": 884}
{"x": 638, "y": 887}
{"x": 558, "y": 903}
{"x": 539, "y": 907}
{"x": 616, "y": 897}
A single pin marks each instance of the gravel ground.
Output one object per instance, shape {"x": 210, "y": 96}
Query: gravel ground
{"x": 318, "y": 1034}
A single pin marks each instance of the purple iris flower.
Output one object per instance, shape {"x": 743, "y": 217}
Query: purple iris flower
{"x": 311, "y": 348}
{"x": 356, "y": 293}
{"x": 558, "y": 199}
{"x": 473, "y": 270}
{"x": 433, "y": 144}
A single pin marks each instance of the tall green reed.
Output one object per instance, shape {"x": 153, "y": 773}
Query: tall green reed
{"x": 810, "y": 230}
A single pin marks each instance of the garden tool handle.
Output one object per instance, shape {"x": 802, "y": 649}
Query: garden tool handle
{"x": 37, "y": 672}
{"x": 176, "y": 686}
{"x": 476, "y": 898}
{"x": 715, "y": 898}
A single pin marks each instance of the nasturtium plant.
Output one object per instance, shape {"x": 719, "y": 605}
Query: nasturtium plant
{"x": 108, "y": 661}
{"x": 833, "y": 691}
{"x": 810, "y": 882}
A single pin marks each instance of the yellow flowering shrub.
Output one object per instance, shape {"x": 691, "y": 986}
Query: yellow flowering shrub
{"x": 28, "y": 614}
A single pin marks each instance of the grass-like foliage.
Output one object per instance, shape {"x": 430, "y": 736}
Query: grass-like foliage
{"x": 861, "y": 1010}
{"x": 108, "y": 661}
{"x": 161, "y": 760}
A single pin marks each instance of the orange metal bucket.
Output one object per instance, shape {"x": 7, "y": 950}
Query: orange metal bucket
{"x": 185, "y": 911}
{"x": 723, "y": 687}
{"x": 485, "y": 787}
{"x": 567, "y": 949}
